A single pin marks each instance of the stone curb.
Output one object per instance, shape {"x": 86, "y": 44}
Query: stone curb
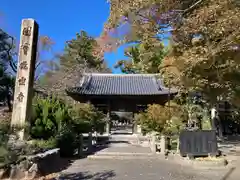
{"x": 123, "y": 154}
{"x": 119, "y": 157}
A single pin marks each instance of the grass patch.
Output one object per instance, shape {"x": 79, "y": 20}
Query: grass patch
{"x": 43, "y": 144}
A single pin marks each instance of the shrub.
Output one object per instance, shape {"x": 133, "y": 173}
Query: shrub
{"x": 4, "y": 153}
{"x": 40, "y": 144}
{"x": 67, "y": 141}
{"x": 162, "y": 119}
{"x": 86, "y": 118}
{"x": 174, "y": 126}
{"x": 48, "y": 116}
{"x": 9, "y": 152}
{"x": 56, "y": 124}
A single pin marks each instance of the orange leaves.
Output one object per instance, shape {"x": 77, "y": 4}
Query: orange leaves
{"x": 171, "y": 68}
{"x": 45, "y": 43}
{"x": 106, "y": 43}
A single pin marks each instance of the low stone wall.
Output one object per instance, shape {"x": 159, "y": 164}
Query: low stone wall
{"x": 31, "y": 167}
{"x": 156, "y": 143}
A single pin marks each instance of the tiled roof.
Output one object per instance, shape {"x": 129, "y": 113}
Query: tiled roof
{"x": 120, "y": 84}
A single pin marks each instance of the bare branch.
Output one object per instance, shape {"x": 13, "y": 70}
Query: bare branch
{"x": 192, "y": 7}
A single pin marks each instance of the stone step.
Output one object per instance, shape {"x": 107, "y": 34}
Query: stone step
{"x": 122, "y": 154}
{"x": 120, "y": 157}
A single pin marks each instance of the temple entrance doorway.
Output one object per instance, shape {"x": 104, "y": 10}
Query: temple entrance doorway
{"x": 120, "y": 96}
{"x": 121, "y": 122}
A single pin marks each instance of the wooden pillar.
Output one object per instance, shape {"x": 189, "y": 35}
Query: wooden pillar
{"x": 90, "y": 144}
{"x": 80, "y": 145}
{"x": 108, "y": 128}
{"x": 108, "y": 123}
{"x": 25, "y": 75}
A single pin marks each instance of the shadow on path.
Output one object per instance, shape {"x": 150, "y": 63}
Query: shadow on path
{"x": 55, "y": 166}
{"x": 105, "y": 175}
{"x": 226, "y": 177}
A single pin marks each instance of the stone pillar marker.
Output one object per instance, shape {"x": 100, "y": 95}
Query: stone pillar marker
{"x": 22, "y": 104}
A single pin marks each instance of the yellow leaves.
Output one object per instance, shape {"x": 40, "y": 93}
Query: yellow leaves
{"x": 163, "y": 119}
{"x": 194, "y": 62}
{"x": 170, "y": 69}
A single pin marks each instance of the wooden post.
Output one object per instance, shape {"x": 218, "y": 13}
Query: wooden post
{"x": 108, "y": 130}
{"x": 25, "y": 75}
{"x": 90, "y": 145}
{"x": 108, "y": 123}
{"x": 80, "y": 147}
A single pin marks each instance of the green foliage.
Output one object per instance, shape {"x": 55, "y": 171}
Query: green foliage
{"x": 55, "y": 124}
{"x": 67, "y": 141}
{"x": 142, "y": 58}
{"x": 86, "y": 118}
{"x": 6, "y": 154}
{"x": 4, "y": 132}
{"x": 78, "y": 57}
{"x": 44, "y": 144}
{"x": 7, "y": 51}
{"x": 48, "y": 116}
{"x": 6, "y": 63}
{"x": 51, "y": 115}
{"x": 206, "y": 124}
{"x": 174, "y": 126}
{"x": 80, "y": 51}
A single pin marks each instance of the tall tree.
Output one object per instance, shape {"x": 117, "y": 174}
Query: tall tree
{"x": 205, "y": 39}
{"x": 80, "y": 51}
{"x": 142, "y": 58}
{"x": 7, "y": 47}
{"x": 6, "y": 61}
{"x": 45, "y": 45}
{"x": 79, "y": 56}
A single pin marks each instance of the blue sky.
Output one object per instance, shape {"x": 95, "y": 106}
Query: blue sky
{"x": 59, "y": 19}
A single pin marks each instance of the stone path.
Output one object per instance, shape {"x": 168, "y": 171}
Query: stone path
{"x": 140, "y": 164}
{"x": 139, "y": 169}
{"x": 121, "y": 146}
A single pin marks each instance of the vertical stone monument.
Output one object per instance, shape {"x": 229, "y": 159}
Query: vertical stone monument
{"x": 22, "y": 104}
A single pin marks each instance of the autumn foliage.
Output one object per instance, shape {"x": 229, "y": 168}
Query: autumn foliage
{"x": 168, "y": 119}
{"x": 204, "y": 41}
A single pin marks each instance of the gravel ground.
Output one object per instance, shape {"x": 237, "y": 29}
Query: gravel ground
{"x": 141, "y": 169}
